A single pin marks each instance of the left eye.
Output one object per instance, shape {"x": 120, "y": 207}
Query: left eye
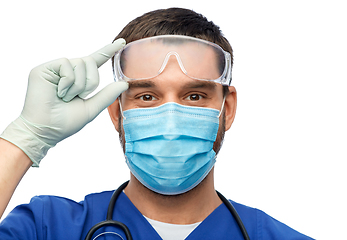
{"x": 194, "y": 97}
{"x": 147, "y": 97}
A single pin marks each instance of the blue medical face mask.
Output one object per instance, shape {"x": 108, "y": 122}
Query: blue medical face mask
{"x": 169, "y": 148}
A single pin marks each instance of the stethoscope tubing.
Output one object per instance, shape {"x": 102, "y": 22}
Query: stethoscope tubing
{"x": 235, "y": 215}
{"x": 110, "y": 222}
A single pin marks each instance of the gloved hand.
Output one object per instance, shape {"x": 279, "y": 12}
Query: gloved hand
{"x": 55, "y": 107}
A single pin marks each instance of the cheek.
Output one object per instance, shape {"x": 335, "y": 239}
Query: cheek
{"x": 121, "y": 132}
{"x": 220, "y": 135}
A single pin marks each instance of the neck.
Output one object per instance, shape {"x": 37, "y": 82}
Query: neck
{"x": 187, "y": 208}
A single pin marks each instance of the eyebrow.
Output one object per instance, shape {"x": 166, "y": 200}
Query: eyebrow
{"x": 200, "y": 84}
{"x": 141, "y": 84}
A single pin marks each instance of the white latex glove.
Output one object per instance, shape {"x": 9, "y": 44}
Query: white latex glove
{"x": 55, "y": 107}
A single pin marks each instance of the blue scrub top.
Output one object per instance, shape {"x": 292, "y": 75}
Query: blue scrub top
{"x": 50, "y": 217}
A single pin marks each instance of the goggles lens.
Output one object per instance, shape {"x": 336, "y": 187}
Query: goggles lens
{"x": 198, "y": 59}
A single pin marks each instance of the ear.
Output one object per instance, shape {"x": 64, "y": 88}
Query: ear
{"x": 230, "y": 107}
{"x": 113, "y": 110}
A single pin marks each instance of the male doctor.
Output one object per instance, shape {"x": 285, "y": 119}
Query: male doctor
{"x": 171, "y": 104}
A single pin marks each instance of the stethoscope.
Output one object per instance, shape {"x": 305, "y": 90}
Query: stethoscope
{"x": 110, "y": 222}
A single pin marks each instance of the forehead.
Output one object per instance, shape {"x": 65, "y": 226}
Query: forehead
{"x": 148, "y": 58}
{"x": 155, "y": 45}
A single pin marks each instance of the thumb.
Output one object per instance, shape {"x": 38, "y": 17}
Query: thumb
{"x": 104, "y": 98}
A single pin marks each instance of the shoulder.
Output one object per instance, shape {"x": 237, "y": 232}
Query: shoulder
{"x": 64, "y": 208}
{"x": 46, "y": 202}
{"x": 264, "y": 226}
{"x": 54, "y": 213}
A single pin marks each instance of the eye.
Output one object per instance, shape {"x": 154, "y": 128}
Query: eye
{"x": 147, "y": 98}
{"x": 194, "y": 97}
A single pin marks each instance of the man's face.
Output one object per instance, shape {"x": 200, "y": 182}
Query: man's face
{"x": 172, "y": 85}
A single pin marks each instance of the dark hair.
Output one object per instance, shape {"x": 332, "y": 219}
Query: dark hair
{"x": 175, "y": 21}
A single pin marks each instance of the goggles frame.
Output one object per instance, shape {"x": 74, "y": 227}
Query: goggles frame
{"x": 224, "y": 79}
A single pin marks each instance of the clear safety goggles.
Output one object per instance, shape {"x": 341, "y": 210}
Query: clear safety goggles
{"x": 198, "y": 59}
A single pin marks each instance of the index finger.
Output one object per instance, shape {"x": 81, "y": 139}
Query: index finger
{"x": 104, "y": 54}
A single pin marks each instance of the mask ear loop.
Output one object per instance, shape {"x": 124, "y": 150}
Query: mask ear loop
{"x": 221, "y": 110}
{"x": 121, "y": 109}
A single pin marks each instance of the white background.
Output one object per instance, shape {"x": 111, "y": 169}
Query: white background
{"x": 286, "y": 151}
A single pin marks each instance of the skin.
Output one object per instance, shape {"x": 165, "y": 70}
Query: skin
{"x": 14, "y": 163}
{"x": 172, "y": 85}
